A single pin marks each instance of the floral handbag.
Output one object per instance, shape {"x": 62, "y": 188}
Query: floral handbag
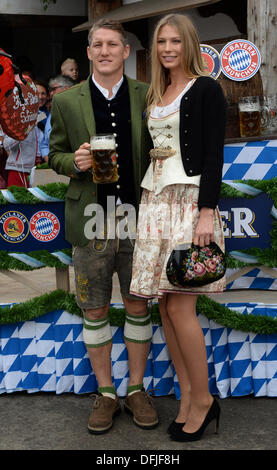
{"x": 196, "y": 266}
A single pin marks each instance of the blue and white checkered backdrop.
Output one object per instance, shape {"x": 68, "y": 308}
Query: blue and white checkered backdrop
{"x": 48, "y": 354}
{"x": 250, "y": 160}
{"x": 255, "y": 279}
{"x": 244, "y": 363}
{"x": 244, "y": 161}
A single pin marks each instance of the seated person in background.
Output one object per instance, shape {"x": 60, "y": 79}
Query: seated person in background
{"x": 69, "y": 68}
{"x": 56, "y": 85}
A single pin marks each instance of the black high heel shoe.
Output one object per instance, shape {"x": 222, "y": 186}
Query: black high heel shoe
{"x": 213, "y": 414}
{"x": 174, "y": 426}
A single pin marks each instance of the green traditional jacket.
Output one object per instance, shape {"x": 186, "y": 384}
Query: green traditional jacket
{"x": 73, "y": 124}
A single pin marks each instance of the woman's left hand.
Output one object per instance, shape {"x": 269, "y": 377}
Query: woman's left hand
{"x": 204, "y": 232}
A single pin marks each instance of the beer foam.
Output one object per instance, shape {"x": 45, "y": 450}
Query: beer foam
{"x": 102, "y": 144}
{"x": 249, "y": 107}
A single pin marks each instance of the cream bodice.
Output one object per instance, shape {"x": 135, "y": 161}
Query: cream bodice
{"x": 165, "y": 134}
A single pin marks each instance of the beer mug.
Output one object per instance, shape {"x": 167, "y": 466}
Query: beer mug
{"x": 250, "y": 116}
{"x": 269, "y": 114}
{"x": 104, "y": 161}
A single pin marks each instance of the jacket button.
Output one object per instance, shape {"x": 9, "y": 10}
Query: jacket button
{"x": 186, "y": 131}
{"x": 187, "y": 159}
{"x": 190, "y": 171}
{"x": 113, "y": 124}
{"x": 186, "y": 115}
{"x": 186, "y": 98}
{"x": 186, "y": 145}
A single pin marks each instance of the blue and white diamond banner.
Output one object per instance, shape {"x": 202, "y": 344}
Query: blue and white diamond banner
{"x": 48, "y": 354}
{"x": 250, "y": 160}
{"x": 255, "y": 279}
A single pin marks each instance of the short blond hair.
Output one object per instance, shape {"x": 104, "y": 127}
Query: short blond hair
{"x": 108, "y": 24}
{"x": 66, "y": 62}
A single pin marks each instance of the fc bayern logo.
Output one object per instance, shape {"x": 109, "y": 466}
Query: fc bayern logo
{"x": 211, "y": 60}
{"x": 240, "y": 60}
{"x": 14, "y": 226}
{"x": 44, "y": 226}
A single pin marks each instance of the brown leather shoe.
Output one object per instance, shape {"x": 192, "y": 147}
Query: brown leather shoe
{"x": 103, "y": 412}
{"x": 140, "y": 405}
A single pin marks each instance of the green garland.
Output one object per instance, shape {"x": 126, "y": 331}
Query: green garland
{"x": 61, "y": 300}
{"x": 267, "y": 186}
{"x": 8, "y": 262}
{"x": 59, "y": 189}
{"x": 266, "y": 257}
{"x": 23, "y": 196}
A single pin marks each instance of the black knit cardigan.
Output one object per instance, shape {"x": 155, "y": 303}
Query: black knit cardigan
{"x": 202, "y": 132}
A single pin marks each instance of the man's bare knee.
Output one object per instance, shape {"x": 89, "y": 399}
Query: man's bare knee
{"x": 97, "y": 313}
{"x": 135, "y": 307}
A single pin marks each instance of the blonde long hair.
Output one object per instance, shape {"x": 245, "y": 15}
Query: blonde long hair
{"x": 192, "y": 61}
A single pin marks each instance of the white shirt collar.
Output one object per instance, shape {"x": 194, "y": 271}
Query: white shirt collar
{"x": 104, "y": 91}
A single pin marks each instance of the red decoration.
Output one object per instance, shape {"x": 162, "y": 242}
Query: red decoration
{"x": 6, "y": 75}
{"x": 19, "y": 110}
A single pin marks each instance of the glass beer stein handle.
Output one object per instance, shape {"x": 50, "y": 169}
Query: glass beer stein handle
{"x": 265, "y": 116}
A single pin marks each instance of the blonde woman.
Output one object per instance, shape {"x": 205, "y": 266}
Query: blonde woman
{"x": 186, "y": 119}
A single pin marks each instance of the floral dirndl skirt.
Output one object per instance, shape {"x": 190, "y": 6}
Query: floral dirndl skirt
{"x": 165, "y": 221}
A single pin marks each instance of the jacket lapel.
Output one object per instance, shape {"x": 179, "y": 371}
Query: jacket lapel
{"x": 135, "y": 106}
{"x": 86, "y": 107}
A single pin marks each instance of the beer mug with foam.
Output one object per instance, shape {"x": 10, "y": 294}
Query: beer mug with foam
{"x": 250, "y": 116}
{"x": 104, "y": 161}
